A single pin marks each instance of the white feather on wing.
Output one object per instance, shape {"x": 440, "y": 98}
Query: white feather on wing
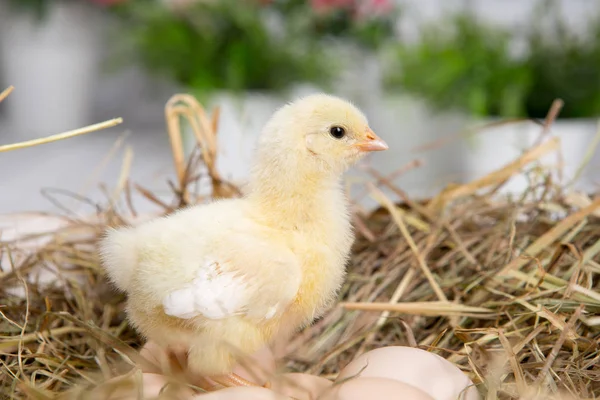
{"x": 221, "y": 291}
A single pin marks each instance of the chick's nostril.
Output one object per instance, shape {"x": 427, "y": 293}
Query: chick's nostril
{"x": 370, "y": 134}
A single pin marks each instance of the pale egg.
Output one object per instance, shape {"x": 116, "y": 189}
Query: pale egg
{"x": 155, "y": 384}
{"x": 150, "y": 385}
{"x": 429, "y": 372}
{"x": 241, "y": 393}
{"x": 300, "y": 386}
{"x": 375, "y": 389}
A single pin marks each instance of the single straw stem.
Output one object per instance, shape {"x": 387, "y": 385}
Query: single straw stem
{"x": 61, "y": 136}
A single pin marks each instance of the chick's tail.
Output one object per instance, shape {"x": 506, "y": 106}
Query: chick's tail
{"x": 118, "y": 253}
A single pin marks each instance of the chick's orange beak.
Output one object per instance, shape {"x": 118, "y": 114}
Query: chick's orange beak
{"x": 372, "y": 143}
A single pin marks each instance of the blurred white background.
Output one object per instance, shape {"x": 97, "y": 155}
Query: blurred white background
{"x": 139, "y": 99}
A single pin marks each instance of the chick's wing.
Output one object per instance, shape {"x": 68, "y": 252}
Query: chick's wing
{"x": 244, "y": 276}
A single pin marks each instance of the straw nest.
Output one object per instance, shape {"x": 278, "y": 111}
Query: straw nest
{"x": 508, "y": 290}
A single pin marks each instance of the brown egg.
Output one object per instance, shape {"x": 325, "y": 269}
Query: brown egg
{"x": 300, "y": 386}
{"x": 429, "y": 372}
{"x": 241, "y": 393}
{"x": 375, "y": 389}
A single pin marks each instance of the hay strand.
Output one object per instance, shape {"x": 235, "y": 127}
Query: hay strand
{"x": 420, "y": 308}
{"x": 186, "y": 107}
{"x": 6, "y": 92}
{"x": 62, "y": 136}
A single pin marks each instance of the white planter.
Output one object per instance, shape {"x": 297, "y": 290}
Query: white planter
{"x": 52, "y": 64}
{"x": 497, "y": 146}
{"x": 407, "y": 124}
{"x": 241, "y": 121}
{"x": 361, "y": 80}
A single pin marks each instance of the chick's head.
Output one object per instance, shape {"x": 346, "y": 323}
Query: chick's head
{"x": 322, "y": 130}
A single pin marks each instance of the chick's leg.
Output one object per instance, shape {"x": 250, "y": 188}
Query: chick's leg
{"x": 226, "y": 364}
{"x": 200, "y": 356}
{"x": 177, "y": 360}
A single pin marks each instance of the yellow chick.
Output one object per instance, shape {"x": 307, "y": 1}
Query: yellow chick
{"x": 222, "y": 279}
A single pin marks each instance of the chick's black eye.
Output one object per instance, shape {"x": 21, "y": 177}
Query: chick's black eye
{"x": 337, "y": 132}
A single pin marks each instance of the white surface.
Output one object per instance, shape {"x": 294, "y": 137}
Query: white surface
{"x": 407, "y": 126}
{"x": 498, "y": 146}
{"x": 79, "y": 165}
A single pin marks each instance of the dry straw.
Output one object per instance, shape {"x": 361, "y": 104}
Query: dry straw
{"x": 508, "y": 290}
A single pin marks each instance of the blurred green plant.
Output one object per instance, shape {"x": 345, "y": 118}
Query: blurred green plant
{"x": 208, "y": 46}
{"x": 563, "y": 65}
{"x": 462, "y": 64}
{"x": 365, "y": 23}
{"x": 467, "y": 65}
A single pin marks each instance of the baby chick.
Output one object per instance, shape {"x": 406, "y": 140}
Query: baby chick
{"x": 222, "y": 279}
